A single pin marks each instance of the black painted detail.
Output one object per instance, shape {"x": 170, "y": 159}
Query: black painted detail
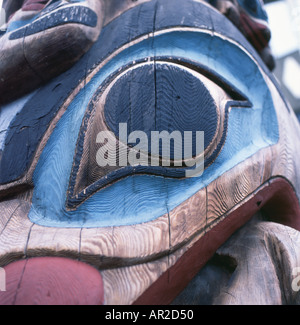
{"x": 162, "y": 97}
{"x": 74, "y": 14}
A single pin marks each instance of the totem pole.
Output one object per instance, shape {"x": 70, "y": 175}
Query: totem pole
{"x": 137, "y": 138}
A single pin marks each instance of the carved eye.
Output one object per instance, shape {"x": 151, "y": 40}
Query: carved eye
{"x": 173, "y": 102}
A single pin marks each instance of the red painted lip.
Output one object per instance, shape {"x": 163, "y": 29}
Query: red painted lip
{"x": 52, "y": 281}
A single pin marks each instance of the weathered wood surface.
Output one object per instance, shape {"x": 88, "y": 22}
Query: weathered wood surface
{"x": 15, "y": 230}
{"x": 36, "y": 56}
{"x": 259, "y": 265}
{"x": 147, "y": 261}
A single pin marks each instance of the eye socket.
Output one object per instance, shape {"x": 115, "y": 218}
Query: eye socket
{"x": 147, "y": 99}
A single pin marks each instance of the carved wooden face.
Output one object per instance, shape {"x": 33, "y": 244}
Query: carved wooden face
{"x": 81, "y": 176}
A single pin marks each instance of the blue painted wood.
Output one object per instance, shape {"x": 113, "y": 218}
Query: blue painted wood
{"x": 153, "y": 97}
{"x": 143, "y": 198}
{"x": 146, "y": 18}
{"x": 79, "y": 15}
{"x": 7, "y": 115}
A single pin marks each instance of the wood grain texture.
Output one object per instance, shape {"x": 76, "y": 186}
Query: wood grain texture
{"x": 270, "y": 250}
{"x": 53, "y": 242}
{"x": 94, "y": 244}
{"x": 111, "y": 245}
{"x": 14, "y": 231}
{"x": 203, "y": 248}
{"x": 285, "y": 155}
{"x": 233, "y": 187}
{"x": 188, "y": 220}
{"x": 162, "y": 97}
{"x": 102, "y": 246}
{"x": 31, "y": 63}
{"x": 147, "y": 273}
{"x": 133, "y": 258}
{"x": 123, "y": 285}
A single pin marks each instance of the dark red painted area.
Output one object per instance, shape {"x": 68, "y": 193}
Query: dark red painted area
{"x": 278, "y": 200}
{"x": 258, "y": 34}
{"x": 35, "y": 5}
{"x": 52, "y": 281}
